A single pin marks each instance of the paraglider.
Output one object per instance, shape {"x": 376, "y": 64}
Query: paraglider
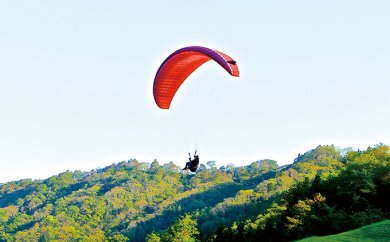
{"x": 192, "y": 165}
{"x": 175, "y": 70}
{"x": 179, "y": 65}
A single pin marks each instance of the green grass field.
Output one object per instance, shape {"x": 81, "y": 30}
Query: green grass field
{"x": 375, "y": 232}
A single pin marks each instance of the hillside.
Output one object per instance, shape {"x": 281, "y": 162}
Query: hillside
{"x": 375, "y": 232}
{"x": 130, "y": 200}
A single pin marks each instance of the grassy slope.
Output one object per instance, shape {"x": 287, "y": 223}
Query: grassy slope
{"x": 375, "y": 232}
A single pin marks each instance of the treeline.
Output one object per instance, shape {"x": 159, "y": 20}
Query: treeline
{"x": 121, "y": 202}
{"x": 137, "y": 201}
{"x": 353, "y": 196}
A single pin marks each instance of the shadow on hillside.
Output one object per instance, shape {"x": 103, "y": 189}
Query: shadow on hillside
{"x": 192, "y": 203}
{"x": 7, "y": 199}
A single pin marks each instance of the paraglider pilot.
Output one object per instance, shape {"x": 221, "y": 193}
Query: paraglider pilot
{"x": 192, "y": 164}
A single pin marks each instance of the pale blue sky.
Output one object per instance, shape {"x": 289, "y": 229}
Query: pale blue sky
{"x": 76, "y": 81}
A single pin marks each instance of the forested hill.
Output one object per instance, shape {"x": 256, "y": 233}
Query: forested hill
{"x": 136, "y": 201}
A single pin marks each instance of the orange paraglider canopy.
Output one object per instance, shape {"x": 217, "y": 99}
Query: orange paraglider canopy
{"x": 179, "y": 65}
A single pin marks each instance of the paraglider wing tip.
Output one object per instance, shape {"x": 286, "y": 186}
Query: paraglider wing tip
{"x": 161, "y": 106}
